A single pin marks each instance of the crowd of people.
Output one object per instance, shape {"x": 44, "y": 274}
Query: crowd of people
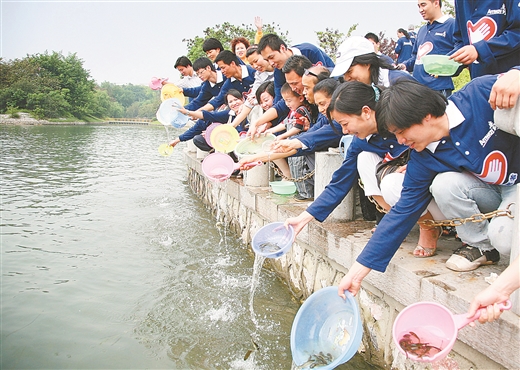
{"x": 423, "y": 152}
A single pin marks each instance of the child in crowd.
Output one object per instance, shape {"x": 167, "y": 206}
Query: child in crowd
{"x": 353, "y": 106}
{"x": 299, "y": 117}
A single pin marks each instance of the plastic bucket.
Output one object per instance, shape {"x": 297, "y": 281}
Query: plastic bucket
{"x": 283, "y": 187}
{"x": 224, "y": 138}
{"x": 273, "y": 240}
{"x": 248, "y": 146}
{"x": 427, "y": 331}
{"x": 439, "y": 65}
{"x": 219, "y": 167}
{"x": 209, "y": 130}
{"x": 168, "y": 113}
{"x": 328, "y": 324}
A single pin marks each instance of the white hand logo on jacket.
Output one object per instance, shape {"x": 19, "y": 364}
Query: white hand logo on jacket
{"x": 484, "y": 29}
{"x": 494, "y": 169}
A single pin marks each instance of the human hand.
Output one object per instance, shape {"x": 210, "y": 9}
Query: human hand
{"x": 352, "y": 280}
{"x": 505, "y": 92}
{"x": 174, "y": 142}
{"x": 298, "y": 222}
{"x": 491, "y": 303}
{"x": 401, "y": 67}
{"x": 465, "y": 55}
{"x": 285, "y": 146}
{"x": 401, "y": 169}
{"x": 258, "y": 23}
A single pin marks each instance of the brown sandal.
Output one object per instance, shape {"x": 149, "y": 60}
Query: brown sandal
{"x": 421, "y": 252}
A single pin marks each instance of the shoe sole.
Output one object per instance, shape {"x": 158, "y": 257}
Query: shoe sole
{"x": 461, "y": 264}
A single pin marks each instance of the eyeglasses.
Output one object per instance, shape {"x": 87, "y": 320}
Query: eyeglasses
{"x": 307, "y": 72}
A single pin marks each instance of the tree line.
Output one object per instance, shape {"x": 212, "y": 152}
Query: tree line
{"x": 52, "y": 85}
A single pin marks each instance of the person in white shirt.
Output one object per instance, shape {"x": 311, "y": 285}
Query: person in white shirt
{"x": 188, "y": 76}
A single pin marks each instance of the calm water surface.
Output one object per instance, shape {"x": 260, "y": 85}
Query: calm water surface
{"x": 108, "y": 260}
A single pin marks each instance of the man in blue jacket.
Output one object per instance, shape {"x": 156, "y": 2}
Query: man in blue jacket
{"x": 456, "y": 146}
{"x": 276, "y": 52}
{"x": 211, "y": 85}
{"x": 239, "y": 77}
{"x": 487, "y": 34}
{"x": 435, "y": 37}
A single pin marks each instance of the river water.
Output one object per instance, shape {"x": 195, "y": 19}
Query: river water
{"x": 108, "y": 260}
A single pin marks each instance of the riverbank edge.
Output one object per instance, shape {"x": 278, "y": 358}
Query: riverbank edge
{"x": 322, "y": 253}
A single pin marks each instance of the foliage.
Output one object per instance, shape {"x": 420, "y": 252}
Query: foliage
{"x": 462, "y": 79}
{"x": 129, "y": 101}
{"x": 226, "y": 32}
{"x": 448, "y": 8}
{"x": 49, "y": 84}
{"x": 329, "y": 40}
{"x": 387, "y": 45}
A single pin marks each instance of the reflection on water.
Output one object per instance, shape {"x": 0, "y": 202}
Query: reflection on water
{"x": 108, "y": 260}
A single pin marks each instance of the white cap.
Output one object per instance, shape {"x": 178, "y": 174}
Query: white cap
{"x": 347, "y": 51}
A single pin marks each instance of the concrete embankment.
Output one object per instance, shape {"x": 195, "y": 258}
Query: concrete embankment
{"x": 323, "y": 252}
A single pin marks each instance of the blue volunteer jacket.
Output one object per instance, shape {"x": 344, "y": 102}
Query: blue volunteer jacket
{"x": 209, "y": 117}
{"x": 207, "y": 90}
{"x": 346, "y": 176}
{"x": 493, "y": 28}
{"x": 317, "y": 57}
{"x": 435, "y": 38}
{"x": 244, "y": 86}
{"x": 474, "y": 144}
{"x": 403, "y": 49}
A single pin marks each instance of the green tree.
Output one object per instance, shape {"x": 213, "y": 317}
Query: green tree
{"x": 329, "y": 40}
{"x": 226, "y": 32}
{"x": 49, "y": 84}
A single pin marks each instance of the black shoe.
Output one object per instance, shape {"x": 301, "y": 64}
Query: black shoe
{"x": 300, "y": 198}
{"x": 468, "y": 258}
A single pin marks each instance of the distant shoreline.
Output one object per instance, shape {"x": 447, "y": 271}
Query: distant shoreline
{"x": 26, "y": 120}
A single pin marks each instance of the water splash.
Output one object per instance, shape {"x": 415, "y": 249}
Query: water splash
{"x": 257, "y": 269}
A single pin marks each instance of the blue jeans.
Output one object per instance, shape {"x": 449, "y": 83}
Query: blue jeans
{"x": 461, "y": 195}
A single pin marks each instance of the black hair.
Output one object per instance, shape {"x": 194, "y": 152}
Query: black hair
{"x": 234, "y": 92}
{"x": 272, "y": 40}
{"x": 286, "y": 88}
{"x": 327, "y": 86}
{"x": 268, "y": 87}
{"x": 183, "y": 62}
{"x": 399, "y": 107}
{"x": 375, "y": 63}
{"x": 211, "y": 43}
{"x": 297, "y": 64}
{"x": 404, "y": 32}
{"x": 203, "y": 63}
{"x": 251, "y": 50}
{"x": 227, "y": 57}
{"x": 351, "y": 96}
{"x": 372, "y": 36}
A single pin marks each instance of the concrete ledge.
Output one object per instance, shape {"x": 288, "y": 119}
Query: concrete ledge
{"x": 323, "y": 252}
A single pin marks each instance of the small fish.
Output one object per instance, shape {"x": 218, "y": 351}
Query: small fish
{"x": 315, "y": 361}
{"x": 269, "y": 247}
{"x": 248, "y": 353}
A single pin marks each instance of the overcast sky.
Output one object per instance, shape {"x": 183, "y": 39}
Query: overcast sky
{"x": 131, "y": 41}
